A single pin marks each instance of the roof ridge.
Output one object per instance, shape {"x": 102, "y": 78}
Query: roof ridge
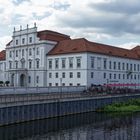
{"x": 53, "y": 32}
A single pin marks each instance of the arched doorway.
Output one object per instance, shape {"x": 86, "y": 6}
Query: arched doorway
{"x": 12, "y": 79}
{"x": 22, "y": 80}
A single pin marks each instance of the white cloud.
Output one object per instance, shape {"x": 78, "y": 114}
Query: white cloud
{"x": 77, "y": 19}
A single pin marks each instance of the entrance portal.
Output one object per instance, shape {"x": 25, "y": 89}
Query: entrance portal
{"x": 22, "y": 80}
{"x": 12, "y": 79}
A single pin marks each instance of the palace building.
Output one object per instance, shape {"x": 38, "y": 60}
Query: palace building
{"x": 47, "y": 58}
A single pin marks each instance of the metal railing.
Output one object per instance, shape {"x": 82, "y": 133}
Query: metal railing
{"x": 23, "y": 90}
{"x": 16, "y": 99}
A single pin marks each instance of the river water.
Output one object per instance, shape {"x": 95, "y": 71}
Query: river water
{"x": 87, "y": 126}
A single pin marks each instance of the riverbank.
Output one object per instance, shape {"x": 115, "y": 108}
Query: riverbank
{"x": 129, "y": 106}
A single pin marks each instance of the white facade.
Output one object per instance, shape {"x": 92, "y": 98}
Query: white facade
{"x": 95, "y": 69}
{"x": 112, "y": 70}
{"x": 26, "y": 58}
{"x": 71, "y": 70}
{"x": 3, "y": 71}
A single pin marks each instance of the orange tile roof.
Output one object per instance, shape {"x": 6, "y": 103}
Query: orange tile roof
{"x": 83, "y": 45}
{"x": 52, "y": 36}
{"x": 2, "y": 55}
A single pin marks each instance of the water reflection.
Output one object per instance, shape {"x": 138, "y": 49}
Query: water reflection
{"x": 88, "y": 126}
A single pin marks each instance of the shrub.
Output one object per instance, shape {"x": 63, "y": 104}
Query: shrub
{"x": 7, "y": 83}
{"x": 1, "y": 83}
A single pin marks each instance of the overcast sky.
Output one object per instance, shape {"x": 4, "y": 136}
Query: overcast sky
{"x": 113, "y": 22}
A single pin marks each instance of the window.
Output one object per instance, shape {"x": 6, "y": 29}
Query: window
{"x": 56, "y": 63}
{"x": 123, "y": 66}
{"x": 92, "y": 74}
{"x": 127, "y": 76}
{"x": 29, "y": 79}
{"x": 50, "y": 75}
{"x": 114, "y": 65}
{"x": 110, "y": 76}
{"x": 37, "y": 51}
{"x": 16, "y": 42}
{"x": 10, "y": 64}
{"x": 98, "y": 63}
{"x": 127, "y": 66}
{"x": 105, "y": 64}
{"x": 114, "y": 76}
{"x": 23, "y": 40}
{"x": 135, "y": 77}
{"x": 63, "y": 63}
{"x": 104, "y": 75}
{"x": 123, "y": 76}
{"x": 22, "y": 64}
{"x": 131, "y": 76}
{"x": 16, "y": 53}
{"x": 71, "y": 75}
{"x": 37, "y": 64}
{"x": 78, "y": 84}
{"x": 56, "y": 75}
{"x": 78, "y": 75}
{"x": 131, "y": 66}
{"x": 37, "y": 79}
{"x": 23, "y": 52}
{"x": 50, "y": 64}
{"x": 119, "y": 65}
{"x": 30, "y": 52}
{"x": 16, "y": 64}
{"x": 56, "y": 84}
{"x": 63, "y": 75}
{"x": 134, "y": 67}
{"x": 30, "y": 64}
{"x": 71, "y": 84}
{"x": 63, "y": 84}
{"x": 78, "y": 62}
{"x": 50, "y": 84}
{"x": 110, "y": 66}
{"x": 119, "y": 76}
{"x": 92, "y": 62}
{"x": 10, "y": 54}
{"x": 70, "y": 62}
{"x": 30, "y": 39}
